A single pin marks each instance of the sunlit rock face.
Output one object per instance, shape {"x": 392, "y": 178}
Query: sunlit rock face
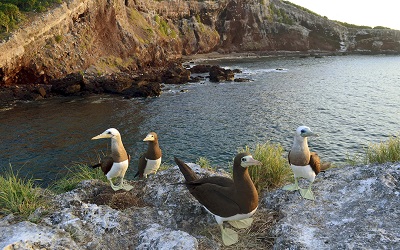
{"x": 104, "y": 37}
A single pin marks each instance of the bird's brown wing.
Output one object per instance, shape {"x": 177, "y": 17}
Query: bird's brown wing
{"x": 141, "y": 166}
{"x": 106, "y": 164}
{"x": 315, "y": 162}
{"x": 215, "y": 193}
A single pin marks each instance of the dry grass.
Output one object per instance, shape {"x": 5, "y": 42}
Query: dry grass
{"x": 274, "y": 171}
{"x": 257, "y": 236}
{"x": 205, "y": 164}
{"x": 388, "y": 151}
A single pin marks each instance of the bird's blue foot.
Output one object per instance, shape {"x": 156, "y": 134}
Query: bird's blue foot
{"x": 307, "y": 194}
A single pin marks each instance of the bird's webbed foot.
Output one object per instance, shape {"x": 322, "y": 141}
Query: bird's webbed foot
{"x": 229, "y": 236}
{"x": 292, "y": 187}
{"x": 245, "y": 223}
{"x": 307, "y": 193}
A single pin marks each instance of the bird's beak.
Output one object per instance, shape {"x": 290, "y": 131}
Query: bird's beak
{"x": 253, "y": 162}
{"x": 101, "y": 136}
{"x": 310, "y": 133}
{"x": 148, "y": 138}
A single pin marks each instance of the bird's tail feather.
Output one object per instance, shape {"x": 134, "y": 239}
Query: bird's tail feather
{"x": 187, "y": 172}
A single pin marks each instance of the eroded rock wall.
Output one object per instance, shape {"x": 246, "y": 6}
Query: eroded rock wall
{"x": 107, "y": 36}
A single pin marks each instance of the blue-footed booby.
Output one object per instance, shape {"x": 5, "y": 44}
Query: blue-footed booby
{"x": 303, "y": 163}
{"x": 117, "y": 163}
{"x": 232, "y": 200}
{"x": 150, "y": 161}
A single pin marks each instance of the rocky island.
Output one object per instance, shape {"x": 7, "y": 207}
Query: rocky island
{"x": 129, "y": 47}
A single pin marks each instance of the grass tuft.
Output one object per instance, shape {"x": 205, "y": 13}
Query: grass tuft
{"x": 274, "y": 171}
{"x": 18, "y": 195}
{"x": 388, "y": 151}
{"x": 165, "y": 166}
{"x": 205, "y": 163}
{"x": 76, "y": 174}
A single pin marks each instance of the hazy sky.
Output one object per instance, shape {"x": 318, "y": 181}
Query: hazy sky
{"x": 361, "y": 12}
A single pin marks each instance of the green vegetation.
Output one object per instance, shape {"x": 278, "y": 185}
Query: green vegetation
{"x": 77, "y": 173}
{"x": 381, "y": 28}
{"x": 58, "y": 38}
{"x": 18, "y": 196}
{"x": 9, "y": 16}
{"x": 280, "y": 14}
{"x": 353, "y": 26}
{"x": 11, "y": 11}
{"x": 274, "y": 171}
{"x": 388, "y": 151}
{"x": 205, "y": 163}
{"x": 164, "y": 28}
{"x": 165, "y": 166}
{"x": 301, "y": 8}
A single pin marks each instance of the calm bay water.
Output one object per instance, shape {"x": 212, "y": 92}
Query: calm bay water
{"x": 350, "y": 101}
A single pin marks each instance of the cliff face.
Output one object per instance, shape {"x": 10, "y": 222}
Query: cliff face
{"x": 107, "y": 36}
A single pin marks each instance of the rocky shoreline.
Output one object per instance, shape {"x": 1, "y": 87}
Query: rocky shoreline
{"x": 126, "y": 84}
{"x": 356, "y": 207}
{"x": 145, "y": 83}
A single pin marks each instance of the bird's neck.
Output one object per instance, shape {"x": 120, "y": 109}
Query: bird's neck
{"x": 300, "y": 154}
{"x": 300, "y": 144}
{"x": 245, "y": 188}
{"x": 117, "y": 150}
{"x": 154, "y": 149}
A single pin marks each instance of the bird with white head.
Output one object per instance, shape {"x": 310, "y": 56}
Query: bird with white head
{"x": 116, "y": 164}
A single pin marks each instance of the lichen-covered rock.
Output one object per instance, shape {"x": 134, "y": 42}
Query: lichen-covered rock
{"x": 355, "y": 208}
{"x": 159, "y": 237}
{"x": 27, "y": 235}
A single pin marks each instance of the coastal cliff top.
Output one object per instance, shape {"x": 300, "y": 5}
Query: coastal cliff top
{"x": 355, "y": 207}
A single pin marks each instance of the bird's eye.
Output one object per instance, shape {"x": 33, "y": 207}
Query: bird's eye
{"x": 244, "y": 159}
{"x": 303, "y": 131}
{"x": 109, "y": 132}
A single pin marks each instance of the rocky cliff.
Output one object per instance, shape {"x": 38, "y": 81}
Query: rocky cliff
{"x": 355, "y": 208}
{"x": 99, "y": 37}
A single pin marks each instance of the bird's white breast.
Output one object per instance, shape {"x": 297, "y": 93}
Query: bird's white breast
{"x": 303, "y": 171}
{"x": 152, "y": 166}
{"x": 118, "y": 169}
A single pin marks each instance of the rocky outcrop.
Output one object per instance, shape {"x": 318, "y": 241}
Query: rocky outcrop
{"x": 355, "y": 207}
{"x": 218, "y": 74}
{"x": 105, "y": 37}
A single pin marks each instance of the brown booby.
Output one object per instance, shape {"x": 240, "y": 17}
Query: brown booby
{"x": 150, "y": 161}
{"x": 232, "y": 200}
{"x": 303, "y": 163}
{"x": 117, "y": 163}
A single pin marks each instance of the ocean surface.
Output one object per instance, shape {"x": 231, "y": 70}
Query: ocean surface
{"x": 351, "y": 101}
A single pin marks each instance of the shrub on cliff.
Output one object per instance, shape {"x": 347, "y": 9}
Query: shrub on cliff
{"x": 9, "y": 16}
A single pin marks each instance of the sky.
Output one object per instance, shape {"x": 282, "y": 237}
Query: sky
{"x": 360, "y": 12}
